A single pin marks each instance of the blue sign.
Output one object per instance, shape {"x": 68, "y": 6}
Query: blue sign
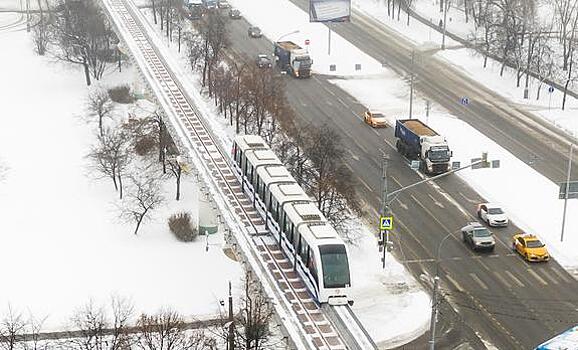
{"x": 465, "y": 101}
{"x": 550, "y": 89}
{"x": 386, "y": 223}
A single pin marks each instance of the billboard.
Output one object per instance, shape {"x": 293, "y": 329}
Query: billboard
{"x": 329, "y": 10}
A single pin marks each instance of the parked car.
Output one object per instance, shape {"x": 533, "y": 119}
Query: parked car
{"x": 530, "y": 247}
{"x": 263, "y": 61}
{"x": 234, "y": 14}
{"x": 254, "y": 32}
{"x": 493, "y": 214}
{"x": 223, "y": 4}
{"x": 478, "y": 237}
{"x": 376, "y": 120}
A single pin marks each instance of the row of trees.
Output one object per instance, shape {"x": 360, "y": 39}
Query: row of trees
{"x": 76, "y": 32}
{"x": 254, "y": 101}
{"x": 117, "y": 326}
{"x": 516, "y": 33}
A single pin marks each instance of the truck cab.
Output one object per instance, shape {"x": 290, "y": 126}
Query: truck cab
{"x": 435, "y": 154}
{"x": 293, "y": 59}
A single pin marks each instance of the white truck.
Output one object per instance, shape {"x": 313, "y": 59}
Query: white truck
{"x": 416, "y": 140}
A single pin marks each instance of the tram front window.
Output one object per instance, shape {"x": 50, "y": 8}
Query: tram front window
{"x": 335, "y": 266}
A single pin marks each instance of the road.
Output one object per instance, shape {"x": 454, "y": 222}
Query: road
{"x": 506, "y": 301}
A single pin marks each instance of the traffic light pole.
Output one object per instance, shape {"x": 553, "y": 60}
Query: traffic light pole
{"x": 384, "y": 234}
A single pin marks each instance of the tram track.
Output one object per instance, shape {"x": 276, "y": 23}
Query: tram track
{"x": 316, "y": 328}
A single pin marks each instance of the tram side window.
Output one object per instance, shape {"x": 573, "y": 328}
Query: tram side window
{"x": 291, "y": 231}
{"x": 304, "y": 252}
{"x": 263, "y": 191}
{"x": 256, "y": 183}
{"x": 296, "y": 238}
{"x": 237, "y": 155}
{"x": 274, "y": 208}
{"x": 312, "y": 266}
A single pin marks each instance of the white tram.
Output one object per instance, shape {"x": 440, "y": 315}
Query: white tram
{"x": 304, "y": 234}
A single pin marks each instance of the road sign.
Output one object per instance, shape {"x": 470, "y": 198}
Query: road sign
{"x": 550, "y": 89}
{"x": 478, "y": 165}
{"x": 415, "y": 164}
{"x": 465, "y": 101}
{"x": 572, "y": 190}
{"x": 456, "y": 165}
{"x": 386, "y": 223}
{"x": 496, "y": 163}
{"x": 307, "y": 41}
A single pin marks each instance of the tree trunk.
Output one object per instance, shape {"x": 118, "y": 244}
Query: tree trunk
{"x": 178, "y": 182}
{"x": 154, "y": 11}
{"x": 86, "y": 72}
{"x": 120, "y": 184}
{"x": 139, "y": 221}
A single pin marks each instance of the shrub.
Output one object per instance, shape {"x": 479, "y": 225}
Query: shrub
{"x": 121, "y": 94}
{"x": 145, "y": 145}
{"x": 181, "y": 226}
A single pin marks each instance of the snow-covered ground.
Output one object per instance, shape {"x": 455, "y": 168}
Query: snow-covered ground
{"x": 61, "y": 243}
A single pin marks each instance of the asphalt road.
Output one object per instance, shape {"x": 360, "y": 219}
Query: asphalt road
{"x": 504, "y": 300}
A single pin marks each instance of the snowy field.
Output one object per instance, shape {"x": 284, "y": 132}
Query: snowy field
{"x": 61, "y": 243}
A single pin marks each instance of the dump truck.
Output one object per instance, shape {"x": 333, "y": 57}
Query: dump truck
{"x": 417, "y": 141}
{"x": 293, "y": 59}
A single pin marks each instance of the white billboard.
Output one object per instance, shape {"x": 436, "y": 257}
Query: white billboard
{"x": 329, "y": 10}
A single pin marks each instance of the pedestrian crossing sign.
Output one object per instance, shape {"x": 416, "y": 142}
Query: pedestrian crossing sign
{"x": 386, "y": 223}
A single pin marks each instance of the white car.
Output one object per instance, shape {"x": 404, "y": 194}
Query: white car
{"x": 493, "y": 214}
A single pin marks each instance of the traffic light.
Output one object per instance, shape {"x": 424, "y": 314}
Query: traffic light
{"x": 485, "y": 163}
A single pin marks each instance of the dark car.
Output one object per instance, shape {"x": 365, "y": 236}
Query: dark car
{"x": 234, "y": 14}
{"x": 223, "y": 4}
{"x": 263, "y": 61}
{"x": 254, "y": 32}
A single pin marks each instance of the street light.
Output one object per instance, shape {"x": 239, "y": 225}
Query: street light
{"x": 434, "y": 310}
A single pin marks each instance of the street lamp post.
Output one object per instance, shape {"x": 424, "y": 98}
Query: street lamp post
{"x": 446, "y": 5}
{"x": 567, "y": 190}
{"x": 434, "y": 310}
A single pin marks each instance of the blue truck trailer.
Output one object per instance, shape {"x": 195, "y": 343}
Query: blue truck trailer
{"x": 417, "y": 141}
{"x": 293, "y": 59}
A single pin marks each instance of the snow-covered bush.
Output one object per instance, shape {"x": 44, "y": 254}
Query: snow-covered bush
{"x": 121, "y": 94}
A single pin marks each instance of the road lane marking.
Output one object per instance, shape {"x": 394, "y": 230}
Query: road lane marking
{"x": 365, "y": 184}
{"x": 439, "y": 204}
{"x": 484, "y": 265}
{"x": 514, "y": 278}
{"x": 468, "y": 199}
{"x": 536, "y": 276}
{"x": 455, "y": 283}
{"x": 560, "y": 274}
{"x": 478, "y": 280}
{"x": 502, "y": 279}
{"x": 401, "y": 204}
{"x": 353, "y": 155}
{"x": 548, "y": 277}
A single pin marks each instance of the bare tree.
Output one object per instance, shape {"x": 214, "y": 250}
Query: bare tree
{"x": 80, "y": 35}
{"x": 100, "y": 105}
{"x": 143, "y": 197}
{"x": 256, "y": 315}
{"x": 166, "y": 330}
{"x": 566, "y": 11}
{"x": 122, "y": 313}
{"x": 12, "y": 328}
{"x": 111, "y": 156}
{"x": 34, "y": 328}
{"x": 176, "y": 170}
{"x": 91, "y": 322}
{"x": 40, "y": 35}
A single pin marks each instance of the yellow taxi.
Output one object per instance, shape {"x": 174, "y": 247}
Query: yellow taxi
{"x": 530, "y": 247}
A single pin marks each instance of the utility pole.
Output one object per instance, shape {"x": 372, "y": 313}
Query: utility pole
{"x": 384, "y": 234}
{"x": 434, "y": 314}
{"x": 411, "y": 86}
{"x": 567, "y": 190}
{"x": 231, "y": 335}
{"x": 446, "y": 6}
{"x": 329, "y": 41}
{"x": 28, "y": 16}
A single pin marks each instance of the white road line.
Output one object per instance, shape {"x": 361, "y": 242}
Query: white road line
{"x": 502, "y": 279}
{"x": 401, "y": 204}
{"x": 375, "y": 131}
{"x": 478, "y": 280}
{"x": 468, "y": 199}
{"x": 436, "y": 201}
{"x": 484, "y": 265}
{"x": 455, "y": 283}
{"x": 560, "y": 274}
{"x": 514, "y": 278}
{"x": 353, "y": 155}
{"x": 536, "y": 276}
{"x": 548, "y": 277}
{"x": 365, "y": 184}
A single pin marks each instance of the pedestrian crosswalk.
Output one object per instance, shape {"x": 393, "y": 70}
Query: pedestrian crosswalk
{"x": 530, "y": 276}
